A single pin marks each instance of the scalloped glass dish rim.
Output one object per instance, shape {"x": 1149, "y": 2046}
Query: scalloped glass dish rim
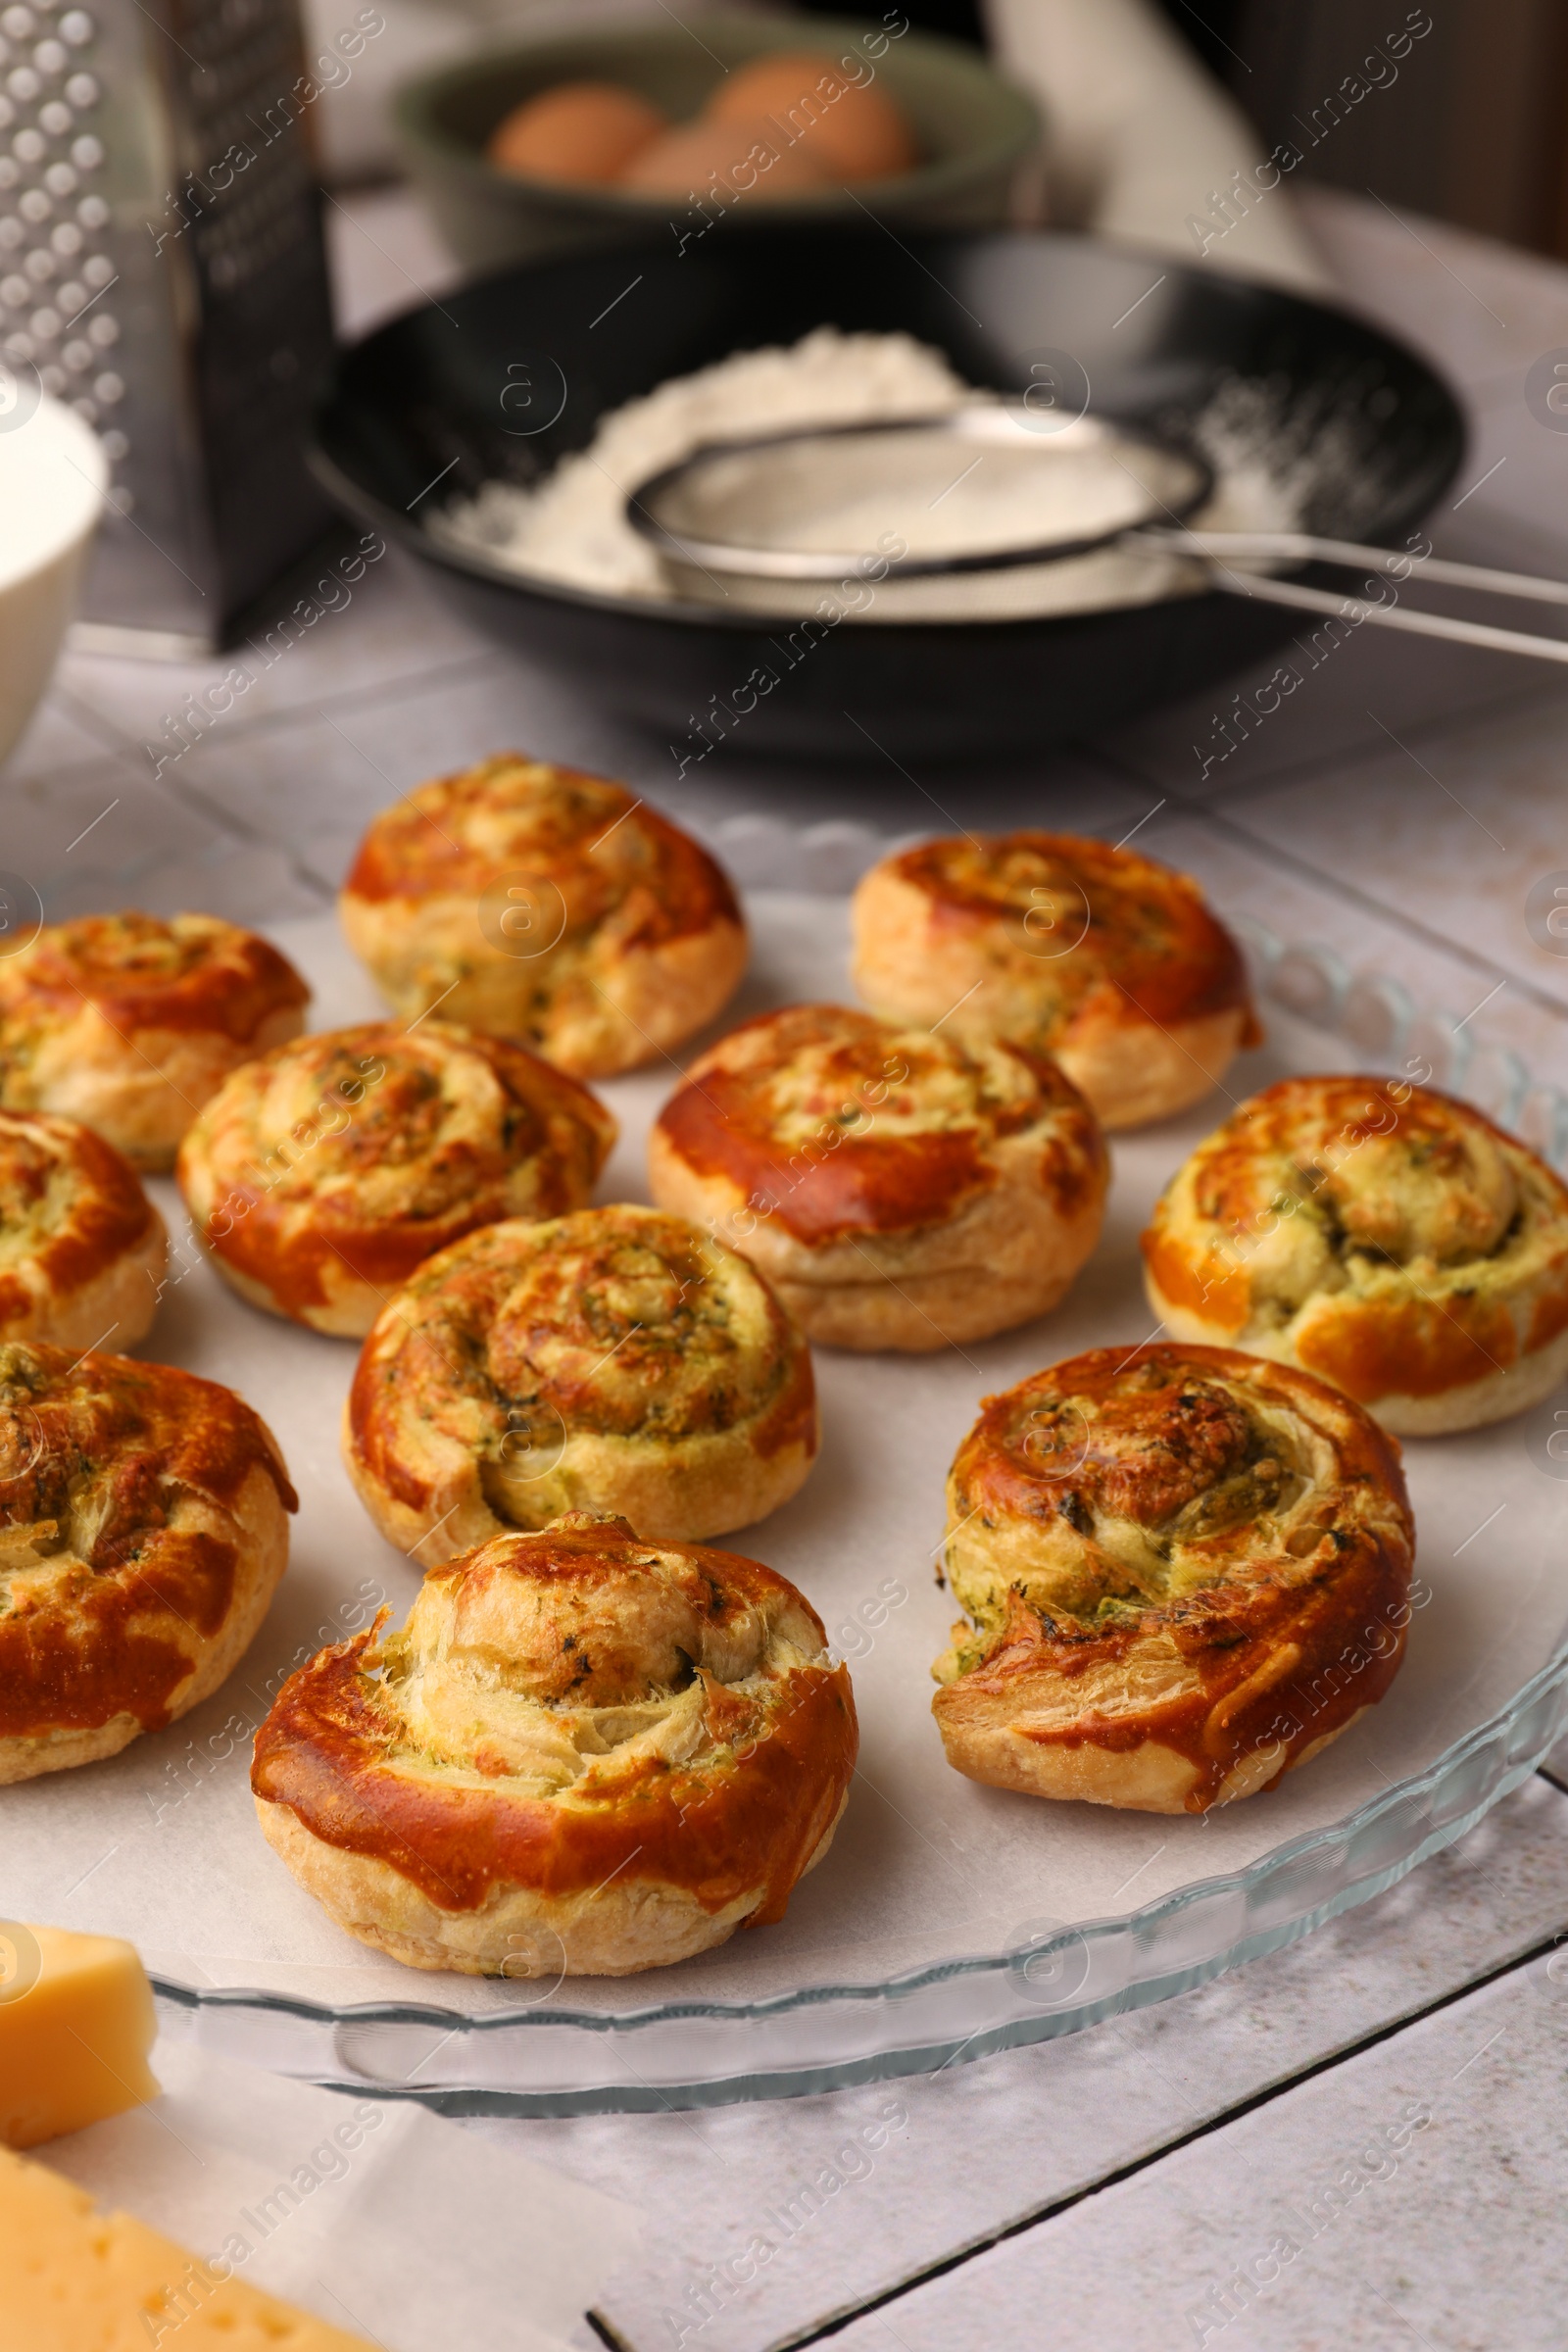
{"x": 1550, "y": 1680}
{"x": 942, "y": 2025}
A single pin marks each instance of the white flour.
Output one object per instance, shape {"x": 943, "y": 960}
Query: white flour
{"x": 572, "y": 527}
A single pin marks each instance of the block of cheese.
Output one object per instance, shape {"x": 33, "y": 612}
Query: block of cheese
{"x": 75, "y": 2280}
{"x": 76, "y": 2022}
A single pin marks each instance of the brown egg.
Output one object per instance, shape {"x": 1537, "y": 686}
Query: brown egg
{"x": 748, "y": 156}
{"x": 580, "y": 131}
{"x": 854, "y": 128}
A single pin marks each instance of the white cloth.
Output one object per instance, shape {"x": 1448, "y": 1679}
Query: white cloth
{"x": 1140, "y": 140}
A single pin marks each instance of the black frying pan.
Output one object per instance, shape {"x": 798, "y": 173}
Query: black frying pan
{"x": 430, "y": 395}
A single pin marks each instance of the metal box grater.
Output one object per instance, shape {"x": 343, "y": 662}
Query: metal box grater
{"x": 162, "y": 270}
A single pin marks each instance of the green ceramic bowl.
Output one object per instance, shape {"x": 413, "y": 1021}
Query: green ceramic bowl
{"x": 975, "y": 132}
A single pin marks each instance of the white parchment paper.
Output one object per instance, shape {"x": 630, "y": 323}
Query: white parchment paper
{"x": 160, "y": 1844}
{"x": 377, "y": 2216}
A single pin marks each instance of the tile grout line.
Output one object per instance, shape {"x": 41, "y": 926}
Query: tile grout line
{"x": 1115, "y": 2178}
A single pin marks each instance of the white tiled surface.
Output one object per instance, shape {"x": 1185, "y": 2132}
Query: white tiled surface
{"x": 1127, "y": 2171}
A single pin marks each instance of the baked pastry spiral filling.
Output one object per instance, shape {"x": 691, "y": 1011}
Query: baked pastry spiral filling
{"x": 584, "y": 1754}
{"x": 1093, "y": 954}
{"x": 1186, "y": 1569}
{"x": 323, "y": 1174}
{"x": 129, "y": 1021}
{"x": 615, "y": 1360}
{"x": 81, "y": 1246}
{"x": 142, "y": 1532}
{"x": 902, "y": 1189}
{"x": 546, "y": 906}
{"x": 1382, "y": 1235}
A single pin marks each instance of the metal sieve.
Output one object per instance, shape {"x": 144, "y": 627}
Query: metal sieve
{"x": 776, "y": 509}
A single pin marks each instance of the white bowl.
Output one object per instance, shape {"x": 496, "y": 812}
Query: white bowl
{"x": 53, "y": 479}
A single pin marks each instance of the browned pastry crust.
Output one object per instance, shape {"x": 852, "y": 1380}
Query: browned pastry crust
{"x": 584, "y": 1755}
{"x": 615, "y": 1360}
{"x": 549, "y": 906}
{"x": 899, "y": 1189}
{"x": 129, "y": 1022}
{"x": 1381, "y": 1235}
{"x": 323, "y": 1174}
{"x": 83, "y": 1250}
{"x": 143, "y": 1530}
{"x": 1101, "y": 957}
{"x": 1188, "y": 1569}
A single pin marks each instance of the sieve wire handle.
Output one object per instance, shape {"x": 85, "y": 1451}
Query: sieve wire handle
{"x": 1302, "y": 547}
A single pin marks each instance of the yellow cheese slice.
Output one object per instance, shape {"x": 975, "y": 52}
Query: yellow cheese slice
{"x": 75, "y": 2280}
{"x": 76, "y": 2022}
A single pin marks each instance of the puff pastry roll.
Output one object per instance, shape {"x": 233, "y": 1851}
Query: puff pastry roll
{"x": 83, "y": 1250}
{"x": 1096, "y": 955}
{"x": 548, "y": 906}
{"x": 323, "y": 1174}
{"x": 143, "y": 1531}
{"x": 130, "y": 1021}
{"x": 615, "y": 1360}
{"x": 1187, "y": 1570}
{"x": 584, "y": 1755}
{"x": 1381, "y": 1235}
{"x": 899, "y": 1189}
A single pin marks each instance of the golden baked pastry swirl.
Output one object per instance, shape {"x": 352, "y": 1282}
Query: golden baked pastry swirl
{"x": 546, "y": 905}
{"x": 1381, "y": 1235}
{"x": 129, "y": 1021}
{"x": 83, "y": 1250}
{"x": 1187, "y": 1570}
{"x": 143, "y": 1530}
{"x": 323, "y": 1174}
{"x": 899, "y": 1189}
{"x": 1093, "y": 954}
{"x": 613, "y": 1360}
{"x": 583, "y": 1755}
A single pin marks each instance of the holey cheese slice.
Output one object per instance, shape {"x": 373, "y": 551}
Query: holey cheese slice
{"x": 75, "y": 2280}
{"x": 76, "y": 2022}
